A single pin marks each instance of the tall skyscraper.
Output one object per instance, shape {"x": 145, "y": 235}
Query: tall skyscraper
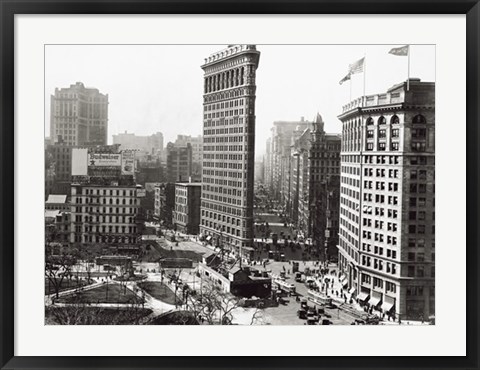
{"x": 229, "y": 146}
{"x": 280, "y": 157}
{"x": 387, "y": 200}
{"x": 79, "y": 116}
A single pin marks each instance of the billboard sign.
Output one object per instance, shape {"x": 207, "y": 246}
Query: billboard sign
{"x": 104, "y": 160}
{"x": 79, "y": 161}
{"x": 128, "y": 162}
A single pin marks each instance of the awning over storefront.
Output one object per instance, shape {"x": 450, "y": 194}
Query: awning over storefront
{"x": 363, "y": 296}
{"x": 352, "y": 290}
{"x": 374, "y": 301}
{"x": 209, "y": 238}
{"x": 344, "y": 282}
{"x": 387, "y": 306}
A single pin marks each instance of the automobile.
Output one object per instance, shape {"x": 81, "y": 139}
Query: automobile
{"x": 298, "y": 277}
{"x": 309, "y": 281}
{"x": 312, "y": 319}
{"x": 326, "y": 322}
{"x": 304, "y": 304}
{"x": 302, "y": 314}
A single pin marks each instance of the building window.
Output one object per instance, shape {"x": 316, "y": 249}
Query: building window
{"x": 419, "y": 119}
{"x": 420, "y": 271}
{"x": 420, "y": 133}
{"x": 395, "y": 120}
{"x": 382, "y": 120}
{"x": 369, "y": 121}
{"x": 410, "y": 273}
{"x": 418, "y": 146}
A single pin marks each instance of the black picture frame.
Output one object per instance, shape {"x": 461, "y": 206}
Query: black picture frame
{"x": 9, "y": 8}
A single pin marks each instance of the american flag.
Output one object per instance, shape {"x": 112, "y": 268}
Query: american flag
{"x": 346, "y": 78}
{"x": 401, "y": 51}
{"x": 356, "y": 67}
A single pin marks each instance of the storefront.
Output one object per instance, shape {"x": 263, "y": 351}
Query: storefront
{"x": 363, "y": 297}
{"x": 375, "y": 300}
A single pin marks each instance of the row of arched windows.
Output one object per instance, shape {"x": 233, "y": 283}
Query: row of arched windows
{"x": 225, "y": 80}
{"x": 395, "y": 120}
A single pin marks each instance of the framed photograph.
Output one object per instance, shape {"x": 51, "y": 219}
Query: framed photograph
{"x": 223, "y": 185}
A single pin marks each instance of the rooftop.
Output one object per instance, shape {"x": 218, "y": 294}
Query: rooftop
{"x": 56, "y": 198}
{"x": 50, "y": 213}
{"x": 229, "y": 51}
{"x": 189, "y": 183}
{"x": 397, "y": 94}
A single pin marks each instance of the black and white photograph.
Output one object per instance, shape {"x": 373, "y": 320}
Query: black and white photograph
{"x": 241, "y": 184}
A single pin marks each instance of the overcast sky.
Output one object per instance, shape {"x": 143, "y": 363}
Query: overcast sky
{"x": 155, "y": 88}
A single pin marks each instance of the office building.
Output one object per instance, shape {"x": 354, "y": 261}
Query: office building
{"x": 197, "y": 153}
{"x": 164, "y": 203}
{"x": 387, "y": 201}
{"x": 186, "y": 216}
{"x": 79, "y": 116}
{"x": 229, "y": 146}
{"x": 318, "y": 201}
{"x": 179, "y": 162}
{"x": 105, "y": 200}
{"x": 279, "y": 166}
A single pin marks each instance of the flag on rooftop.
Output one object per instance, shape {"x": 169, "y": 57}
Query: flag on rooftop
{"x": 401, "y": 51}
{"x": 356, "y": 67}
{"x": 346, "y": 78}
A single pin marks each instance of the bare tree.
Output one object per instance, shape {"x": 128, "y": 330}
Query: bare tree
{"x": 57, "y": 267}
{"x": 258, "y": 317}
{"x": 213, "y": 306}
{"x": 80, "y": 313}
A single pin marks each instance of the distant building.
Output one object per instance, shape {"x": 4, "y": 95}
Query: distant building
{"x": 149, "y": 172}
{"x": 152, "y": 144}
{"x": 164, "y": 203}
{"x": 186, "y": 216}
{"x": 105, "y": 213}
{"x": 179, "y": 162}
{"x": 59, "y": 155}
{"x": 49, "y": 174}
{"x": 229, "y": 146}
{"x": 387, "y": 201}
{"x": 319, "y": 190}
{"x": 279, "y": 165}
{"x": 57, "y": 227}
{"x": 105, "y": 200}
{"x": 197, "y": 153}
{"x": 267, "y": 165}
{"x": 259, "y": 172}
{"x": 79, "y": 116}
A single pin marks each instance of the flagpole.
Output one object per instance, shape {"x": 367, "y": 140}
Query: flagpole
{"x": 408, "y": 71}
{"x": 350, "y": 89}
{"x": 364, "y": 74}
